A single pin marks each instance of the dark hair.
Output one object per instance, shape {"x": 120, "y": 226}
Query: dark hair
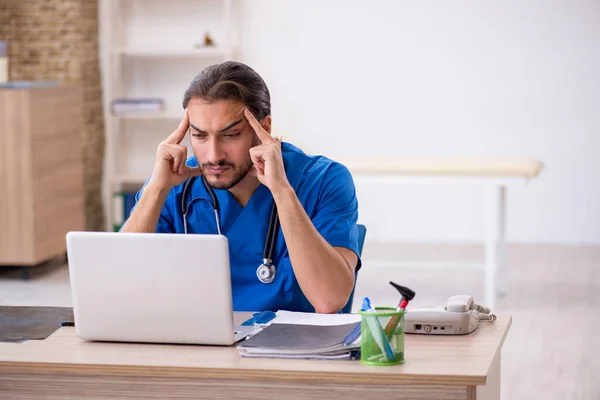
{"x": 231, "y": 81}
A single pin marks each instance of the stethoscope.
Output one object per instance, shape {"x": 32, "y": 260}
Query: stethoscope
{"x": 266, "y": 271}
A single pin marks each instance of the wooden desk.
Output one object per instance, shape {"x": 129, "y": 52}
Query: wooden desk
{"x": 65, "y": 367}
{"x": 493, "y": 173}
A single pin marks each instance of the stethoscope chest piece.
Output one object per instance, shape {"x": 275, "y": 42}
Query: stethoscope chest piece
{"x": 266, "y": 272}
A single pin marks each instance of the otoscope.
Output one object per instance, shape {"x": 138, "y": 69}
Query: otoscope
{"x": 407, "y": 295}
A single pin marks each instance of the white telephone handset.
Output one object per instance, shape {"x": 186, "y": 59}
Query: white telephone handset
{"x": 459, "y": 303}
{"x": 460, "y": 316}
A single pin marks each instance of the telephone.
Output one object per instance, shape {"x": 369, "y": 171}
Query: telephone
{"x": 460, "y": 316}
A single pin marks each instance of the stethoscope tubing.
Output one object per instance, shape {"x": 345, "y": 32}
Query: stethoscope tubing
{"x": 270, "y": 240}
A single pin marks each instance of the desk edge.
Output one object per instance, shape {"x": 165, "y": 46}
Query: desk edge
{"x": 7, "y": 367}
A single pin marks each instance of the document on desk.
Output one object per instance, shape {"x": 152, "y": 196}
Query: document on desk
{"x": 304, "y": 318}
{"x": 306, "y": 335}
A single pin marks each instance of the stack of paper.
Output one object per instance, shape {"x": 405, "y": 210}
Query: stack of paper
{"x": 305, "y": 335}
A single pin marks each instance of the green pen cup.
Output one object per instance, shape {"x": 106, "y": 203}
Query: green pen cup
{"x": 382, "y": 337}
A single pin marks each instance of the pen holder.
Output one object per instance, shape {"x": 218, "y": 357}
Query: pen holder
{"x": 382, "y": 336}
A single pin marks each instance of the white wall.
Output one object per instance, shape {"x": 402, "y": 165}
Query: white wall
{"x": 511, "y": 78}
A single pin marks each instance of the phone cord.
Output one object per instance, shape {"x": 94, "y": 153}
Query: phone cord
{"x": 483, "y": 313}
{"x": 481, "y": 309}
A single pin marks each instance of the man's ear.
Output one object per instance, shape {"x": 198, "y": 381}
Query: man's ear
{"x": 266, "y": 123}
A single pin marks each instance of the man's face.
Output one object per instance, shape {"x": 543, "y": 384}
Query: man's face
{"x": 221, "y": 138}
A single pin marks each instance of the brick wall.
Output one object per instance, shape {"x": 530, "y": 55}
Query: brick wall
{"x": 3, "y": 18}
{"x": 58, "y": 39}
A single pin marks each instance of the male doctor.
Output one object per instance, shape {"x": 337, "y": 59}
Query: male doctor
{"x": 251, "y": 176}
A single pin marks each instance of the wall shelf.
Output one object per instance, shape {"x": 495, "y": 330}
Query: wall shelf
{"x": 149, "y": 50}
{"x": 205, "y": 52}
{"x": 141, "y": 115}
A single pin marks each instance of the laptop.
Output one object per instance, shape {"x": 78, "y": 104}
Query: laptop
{"x": 151, "y": 287}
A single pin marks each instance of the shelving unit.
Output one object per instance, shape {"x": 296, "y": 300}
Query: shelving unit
{"x": 149, "y": 53}
{"x": 141, "y": 115}
{"x": 152, "y": 49}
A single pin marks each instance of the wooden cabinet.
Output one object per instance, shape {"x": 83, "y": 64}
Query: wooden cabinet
{"x": 41, "y": 172}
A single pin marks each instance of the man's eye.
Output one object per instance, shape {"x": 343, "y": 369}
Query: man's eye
{"x": 199, "y": 135}
{"x": 231, "y": 135}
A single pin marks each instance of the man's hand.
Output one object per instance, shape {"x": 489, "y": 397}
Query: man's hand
{"x": 267, "y": 158}
{"x": 169, "y": 166}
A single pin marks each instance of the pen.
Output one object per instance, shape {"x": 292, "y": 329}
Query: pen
{"x": 377, "y": 331}
{"x": 352, "y": 336}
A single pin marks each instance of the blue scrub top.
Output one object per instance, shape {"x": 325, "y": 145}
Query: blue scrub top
{"x": 326, "y": 191}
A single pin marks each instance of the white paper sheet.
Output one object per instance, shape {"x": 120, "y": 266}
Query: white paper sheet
{"x": 290, "y": 317}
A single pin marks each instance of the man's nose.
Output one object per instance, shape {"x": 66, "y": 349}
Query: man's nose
{"x": 214, "y": 152}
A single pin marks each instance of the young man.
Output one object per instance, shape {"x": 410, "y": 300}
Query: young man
{"x": 238, "y": 180}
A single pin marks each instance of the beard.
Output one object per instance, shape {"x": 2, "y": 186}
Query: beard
{"x": 239, "y": 173}
{"x": 219, "y": 182}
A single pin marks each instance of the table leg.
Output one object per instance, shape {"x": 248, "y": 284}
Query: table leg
{"x": 494, "y": 246}
{"x": 501, "y": 244}
{"x": 25, "y": 272}
{"x": 491, "y": 389}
